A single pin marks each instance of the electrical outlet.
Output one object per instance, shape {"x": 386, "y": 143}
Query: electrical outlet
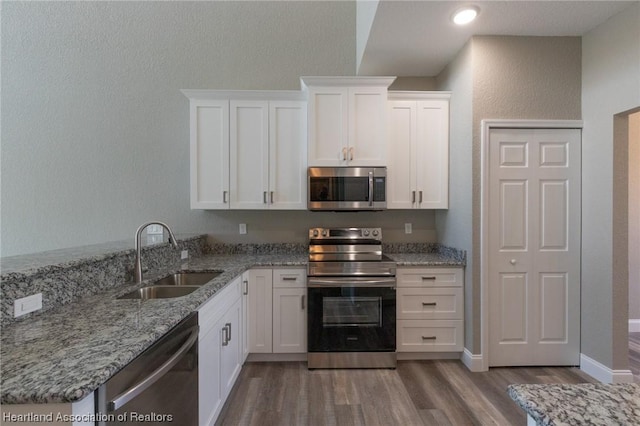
{"x": 407, "y": 228}
{"x": 184, "y": 254}
{"x": 243, "y": 228}
{"x": 27, "y": 304}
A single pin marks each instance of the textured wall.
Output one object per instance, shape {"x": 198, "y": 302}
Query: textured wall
{"x": 634, "y": 216}
{"x": 95, "y": 131}
{"x": 610, "y": 85}
{"x": 454, "y": 225}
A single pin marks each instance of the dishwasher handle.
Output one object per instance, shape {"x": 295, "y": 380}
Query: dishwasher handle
{"x": 144, "y": 384}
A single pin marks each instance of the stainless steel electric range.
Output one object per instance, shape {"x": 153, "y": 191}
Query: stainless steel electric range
{"x": 351, "y": 289}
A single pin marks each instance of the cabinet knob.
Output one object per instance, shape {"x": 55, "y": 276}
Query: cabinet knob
{"x": 513, "y": 261}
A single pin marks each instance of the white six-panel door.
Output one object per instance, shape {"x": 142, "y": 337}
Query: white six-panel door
{"x": 534, "y": 247}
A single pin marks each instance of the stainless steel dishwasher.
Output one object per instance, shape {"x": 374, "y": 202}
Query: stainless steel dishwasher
{"x": 158, "y": 387}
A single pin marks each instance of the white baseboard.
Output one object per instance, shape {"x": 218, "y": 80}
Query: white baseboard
{"x": 473, "y": 362}
{"x": 634, "y": 326}
{"x": 603, "y": 373}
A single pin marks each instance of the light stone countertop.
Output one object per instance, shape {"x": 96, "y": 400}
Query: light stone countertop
{"x": 581, "y": 404}
{"x": 66, "y": 353}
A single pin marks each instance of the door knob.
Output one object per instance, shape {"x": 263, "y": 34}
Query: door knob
{"x": 512, "y": 261}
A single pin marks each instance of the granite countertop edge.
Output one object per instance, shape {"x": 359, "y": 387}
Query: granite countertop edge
{"x": 579, "y": 404}
{"x": 102, "y": 334}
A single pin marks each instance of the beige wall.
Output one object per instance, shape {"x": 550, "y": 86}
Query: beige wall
{"x": 95, "y": 130}
{"x": 498, "y": 77}
{"x": 454, "y": 225}
{"x": 610, "y": 86}
{"x": 634, "y": 216}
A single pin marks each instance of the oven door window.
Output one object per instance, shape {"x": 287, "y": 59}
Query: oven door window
{"x": 352, "y": 311}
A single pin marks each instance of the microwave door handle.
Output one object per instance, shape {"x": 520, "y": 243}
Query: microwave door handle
{"x": 370, "y": 189}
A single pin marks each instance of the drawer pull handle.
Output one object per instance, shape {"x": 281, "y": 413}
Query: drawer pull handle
{"x": 429, "y": 303}
{"x": 428, "y": 337}
{"x": 431, "y": 278}
{"x": 289, "y": 278}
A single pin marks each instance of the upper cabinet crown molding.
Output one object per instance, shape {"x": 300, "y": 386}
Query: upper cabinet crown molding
{"x": 412, "y": 95}
{"x": 249, "y": 95}
{"x": 347, "y": 81}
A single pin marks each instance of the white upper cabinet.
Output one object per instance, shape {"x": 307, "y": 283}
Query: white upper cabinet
{"x": 418, "y": 150}
{"x": 209, "y": 153}
{"x": 347, "y": 120}
{"x": 249, "y": 154}
{"x": 248, "y": 149}
{"x": 287, "y": 155}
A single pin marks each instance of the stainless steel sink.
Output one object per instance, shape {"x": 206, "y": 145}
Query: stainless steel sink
{"x": 159, "y": 292}
{"x": 187, "y": 278}
{"x": 174, "y": 285}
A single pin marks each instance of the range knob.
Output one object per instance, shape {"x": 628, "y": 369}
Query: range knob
{"x": 375, "y": 232}
{"x": 365, "y": 232}
{"x": 324, "y": 233}
{"x": 315, "y": 232}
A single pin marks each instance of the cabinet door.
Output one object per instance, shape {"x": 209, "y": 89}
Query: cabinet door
{"x": 433, "y": 154}
{"x": 401, "y": 156}
{"x": 259, "y": 311}
{"x": 231, "y": 348}
{"x": 367, "y": 141}
{"x": 249, "y": 154}
{"x": 289, "y": 320}
{"x": 328, "y": 128}
{"x": 209, "y": 394}
{"x": 209, "y": 154}
{"x": 287, "y": 155}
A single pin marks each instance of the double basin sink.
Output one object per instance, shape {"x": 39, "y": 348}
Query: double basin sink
{"x": 174, "y": 285}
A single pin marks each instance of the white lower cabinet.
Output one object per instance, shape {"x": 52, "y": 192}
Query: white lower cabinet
{"x": 289, "y": 311}
{"x": 219, "y": 350}
{"x": 430, "y": 310}
{"x": 259, "y": 310}
{"x": 276, "y": 310}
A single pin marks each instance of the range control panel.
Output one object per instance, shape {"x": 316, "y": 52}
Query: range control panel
{"x": 348, "y": 234}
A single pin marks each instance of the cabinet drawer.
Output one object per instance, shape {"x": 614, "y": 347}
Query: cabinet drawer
{"x": 288, "y": 278}
{"x": 430, "y": 303}
{"x": 429, "y": 336}
{"x": 429, "y": 277}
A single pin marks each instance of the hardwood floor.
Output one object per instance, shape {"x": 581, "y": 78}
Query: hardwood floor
{"x": 442, "y": 392}
{"x": 634, "y": 356}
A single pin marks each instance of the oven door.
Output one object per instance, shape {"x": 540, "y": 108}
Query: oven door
{"x": 355, "y": 314}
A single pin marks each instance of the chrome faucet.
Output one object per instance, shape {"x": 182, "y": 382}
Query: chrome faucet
{"x": 137, "y": 267}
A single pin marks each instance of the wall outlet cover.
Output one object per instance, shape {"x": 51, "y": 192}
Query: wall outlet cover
{"x": 184, "y": 254}
{"x": 407, "y": 228}
{"x": 243, "y": 228}
{"x": 27, "y": 304}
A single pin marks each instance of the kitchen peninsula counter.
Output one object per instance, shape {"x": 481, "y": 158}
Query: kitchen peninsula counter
{"x": 579, "y": 404}
{"x": 64, "y": 354}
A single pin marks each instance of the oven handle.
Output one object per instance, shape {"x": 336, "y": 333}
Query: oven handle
{"x": 351, "y": 282}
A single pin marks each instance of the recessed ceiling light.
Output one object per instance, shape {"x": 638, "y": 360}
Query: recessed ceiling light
{"x": 465, "y": 15}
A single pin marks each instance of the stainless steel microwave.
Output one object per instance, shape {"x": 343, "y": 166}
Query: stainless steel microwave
{"x": 347, "y": 188}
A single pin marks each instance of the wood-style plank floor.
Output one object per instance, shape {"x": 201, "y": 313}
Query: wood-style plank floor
{"x": 416, "y": 393}
{"x": 442, "y": 392}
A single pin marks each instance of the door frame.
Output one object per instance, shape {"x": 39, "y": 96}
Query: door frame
{"x": 485, "y": 129}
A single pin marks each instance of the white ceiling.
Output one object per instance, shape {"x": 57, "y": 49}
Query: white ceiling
{"x": 417, "y": 38}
